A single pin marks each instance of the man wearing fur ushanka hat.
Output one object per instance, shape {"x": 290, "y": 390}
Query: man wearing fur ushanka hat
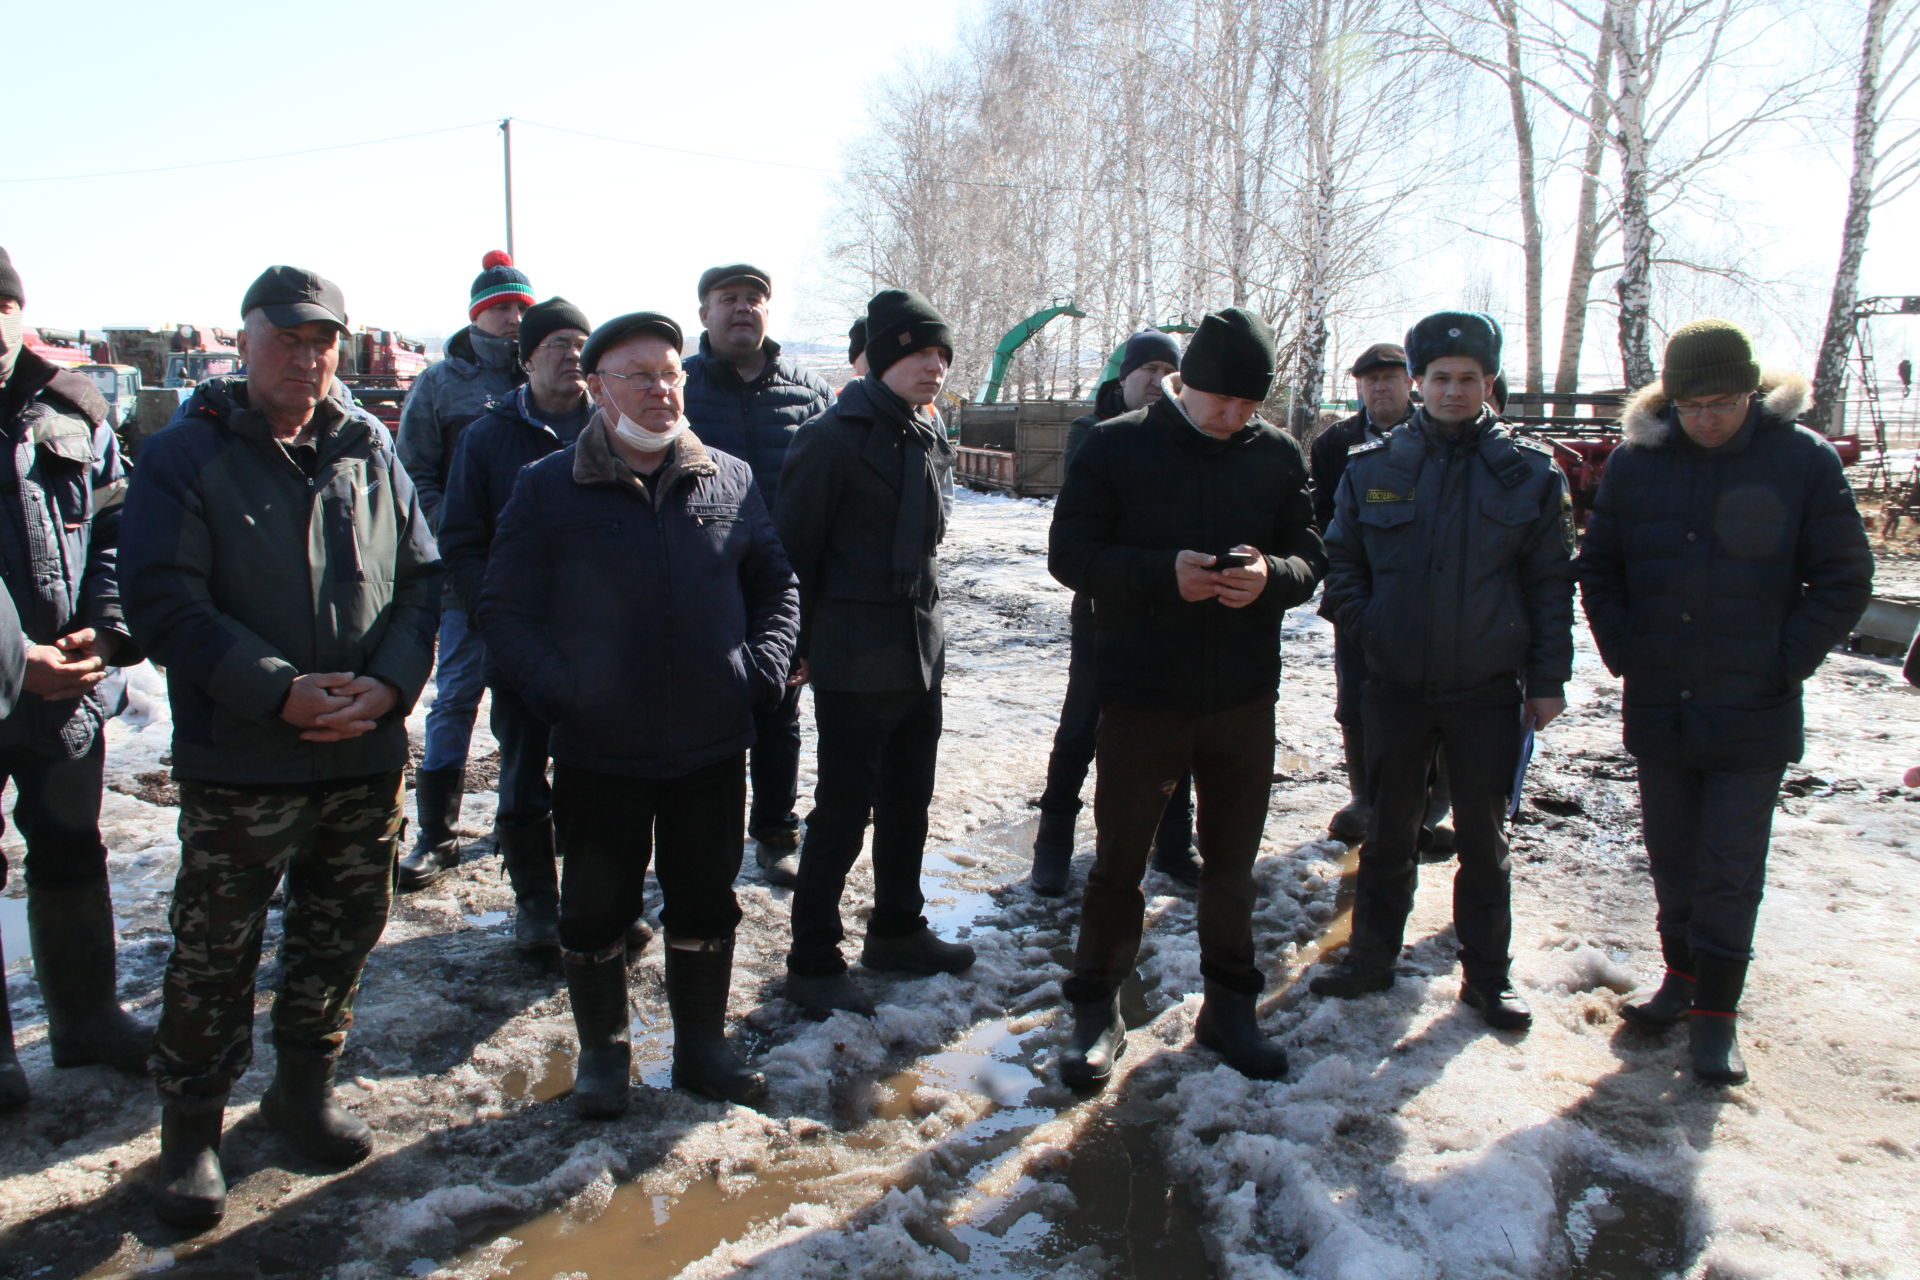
{"x": 1723, "y": 559}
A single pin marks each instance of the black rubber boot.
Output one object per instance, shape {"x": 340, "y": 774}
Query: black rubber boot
{"x": 821, "y": 995}
{"x": 1674, "y": 1000}
{"x": 73, "y": 957}
{"x": 1712, "y": 1037}
{"x": 1500, "y": 1006}
{"x": 1229, "y": 1024}
{"x": 436, "y": 799}
{"x": 1178, "y": 862}
{"x": 922, "y": 953}
{"x": 1098, "y": 1041}
{"x": 1349, "y": 825}
{"x": 13, "y": 1080}
{"x": 597, "y": 988}
{"x": 1053, "y": 854}
{"x": 779, "y": 862}
{"x": 1352, "y": 978}
{"x": 1437, "y": 838}
{"x": 299, "y": 1105}
{"x": 191, "y": 1192}
{"x": 699, "y": 975}
{"x": 527, "y": 850}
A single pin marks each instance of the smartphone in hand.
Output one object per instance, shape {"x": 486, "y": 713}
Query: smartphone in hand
{"x": 1233, "y": 560}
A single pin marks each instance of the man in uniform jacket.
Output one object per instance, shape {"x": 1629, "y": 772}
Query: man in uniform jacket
{"x": 638, "y": 600}
{"x": 1723, "y": 559}
{"x": 61, "y": 485}
{"x": 278, "y": 565}
{"x": 523, "y": 426}
{"x": 481, "y": 365}
{"x": 1188, "y": 526}
{"x": 1149, "y": 359}
{"x": 1450, "y": 564}
{"x": 746, "y": 399}
{"x": 862, "y": 511}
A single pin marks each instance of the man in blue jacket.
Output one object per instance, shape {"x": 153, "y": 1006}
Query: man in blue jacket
{"x": 525, "y": 425}
{"x": 637, "y": 599}
{"x": 61, "y": 485}
{"x": 278, "y": 564}
{"x": 746, "y": 399}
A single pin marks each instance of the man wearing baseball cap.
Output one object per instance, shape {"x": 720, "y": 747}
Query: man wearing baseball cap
{"x": 745, "y": 398}
{"x": 278, "y": 565}
{"x": 481, "y": 364}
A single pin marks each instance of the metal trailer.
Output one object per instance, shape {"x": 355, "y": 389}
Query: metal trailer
{"x": 1018, "y": 448}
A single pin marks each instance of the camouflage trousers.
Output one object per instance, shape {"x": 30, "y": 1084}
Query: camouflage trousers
{"x": 336, "y": 845}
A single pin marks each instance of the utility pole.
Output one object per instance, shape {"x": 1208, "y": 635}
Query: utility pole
{"x": 506, "y": 147}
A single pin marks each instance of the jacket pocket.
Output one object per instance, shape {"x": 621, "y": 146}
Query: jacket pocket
{"x": 1504, "y": 524}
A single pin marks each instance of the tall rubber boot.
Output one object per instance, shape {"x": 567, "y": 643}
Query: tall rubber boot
{"x": 526, "y": 847}
{"x": 1436, "y": 829}
{"x": 1098, "y": 1040}
{"x": 13, "y": 1080}
{"x": 1053, "y": 854}
{"x": 1674, "y": 1000}
{"x": 699, "y": 975}
{"x": 1229, "y": 1025}
{"x": 191, "y": 1191}
{"x": 1349, "y": 825}
{"x": 597, "y": 989}
{"x": 299, "y": 1104}
{"x": 73, "y": 957}
{"x": 1713, "y": 1043}
{"x": 436, "y": 798}
{"x": 1173, "y": 852}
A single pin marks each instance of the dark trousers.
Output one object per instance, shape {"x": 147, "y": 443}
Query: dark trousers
{"x": 610, "y": 826}
{"x": 1349, "y": 678}
{"x": 774, "y": 765}
{"x": 1142, "y": 754}
{"x": 525, "y": 794}
{"x": 1074, "y": 740}
{"x": 1707, "y": 833}
{"x": 877, "y": 753}
{"x": 56, "y": 806}
{"x": 335, "y": 843}
{"x": 1481, "y": 738}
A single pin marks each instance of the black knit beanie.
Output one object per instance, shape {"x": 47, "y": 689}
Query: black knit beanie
{"x": 1231, "y": 354}
{"x": 10, "y": 286}
{"x": 856, "y": 339}
{"x": 499, "y": 281}
{"x": 1709, "y": 358}
{"x": 632, "y": 325}
{"x": 1147, "y": 346}
{"x": 1474, "y": 334}
{"x": 546, "y": 318}
{"x": 899, "y": 323}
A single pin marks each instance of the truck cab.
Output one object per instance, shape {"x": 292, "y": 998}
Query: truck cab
{"x": 120, "y": 385}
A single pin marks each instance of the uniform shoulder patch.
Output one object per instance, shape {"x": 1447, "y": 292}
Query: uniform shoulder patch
{"x": 1528, "y": 442}
{"x": 1371, "y": 446}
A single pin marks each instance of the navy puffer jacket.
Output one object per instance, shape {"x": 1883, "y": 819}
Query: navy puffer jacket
{"x": 753, "y": 421}
{"x": 1716, "y": 581}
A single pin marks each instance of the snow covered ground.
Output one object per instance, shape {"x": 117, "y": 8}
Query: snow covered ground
{"x": 1409, "y": 1141}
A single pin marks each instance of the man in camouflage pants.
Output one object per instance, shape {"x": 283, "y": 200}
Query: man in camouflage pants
{"x": 279, "y": 566}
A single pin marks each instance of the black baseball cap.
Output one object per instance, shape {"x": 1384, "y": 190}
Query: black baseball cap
{"x": 290, "y": 296}
{"x": 713, "y": 277}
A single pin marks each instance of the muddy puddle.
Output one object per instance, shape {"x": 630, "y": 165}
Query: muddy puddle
{"x": 1617, "y": 1228}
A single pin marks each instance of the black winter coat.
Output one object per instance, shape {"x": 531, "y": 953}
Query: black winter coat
{"x": 841, "y": 497}
{"x": 1451, "y": 560}
{"x": 1143, "y": 488}
{"x": 646, "y": 628}
{"x": 753, "y": 421}
{"x": 1327, "y": 462}
{"x": 1715, "y": 582}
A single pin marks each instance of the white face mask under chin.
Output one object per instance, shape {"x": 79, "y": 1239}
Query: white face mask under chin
{"x": 638, "y": 437}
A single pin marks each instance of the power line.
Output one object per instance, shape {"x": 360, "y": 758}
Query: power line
{"x": 277, "y": 155}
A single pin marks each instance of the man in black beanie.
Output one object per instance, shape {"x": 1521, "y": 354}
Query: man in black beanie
{"x": 1450, "y": 564}
{"x": 863, "y": 506}
{"x": 1149, "y": 359}
{"x": 1188, "y": 525}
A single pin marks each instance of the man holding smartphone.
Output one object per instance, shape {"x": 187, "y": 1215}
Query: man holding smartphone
{"x": 1188, "y": 525}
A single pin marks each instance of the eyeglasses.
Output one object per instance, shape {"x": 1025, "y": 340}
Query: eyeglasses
{"x": 573, "y": 346}
{"x": 647, "y": 381}
{"x": 1714, "y": 407}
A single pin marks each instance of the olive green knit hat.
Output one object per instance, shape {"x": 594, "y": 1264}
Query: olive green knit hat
{"x": 1709, "y": 358}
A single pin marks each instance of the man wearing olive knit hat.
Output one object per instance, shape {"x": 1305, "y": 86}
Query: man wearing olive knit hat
{"x": 1187, "y": 524}
{"x": 482, "y": 364}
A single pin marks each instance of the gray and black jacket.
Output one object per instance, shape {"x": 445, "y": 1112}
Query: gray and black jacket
{"x": 1450, "y": 557}
{"x": 478, "y": 368}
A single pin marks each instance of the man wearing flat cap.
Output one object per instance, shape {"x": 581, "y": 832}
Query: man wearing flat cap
{"x": 862, "y": 512}
{"x": 1149, "y": 358}
{"x": 1450, "y": 564}
{"x": 746, "y": 399}
{"x": 278, "y": 565}
{"x": 521, "y": 427}
{"x": 637, "y": 599}
{"x": 1188, "y": 525}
